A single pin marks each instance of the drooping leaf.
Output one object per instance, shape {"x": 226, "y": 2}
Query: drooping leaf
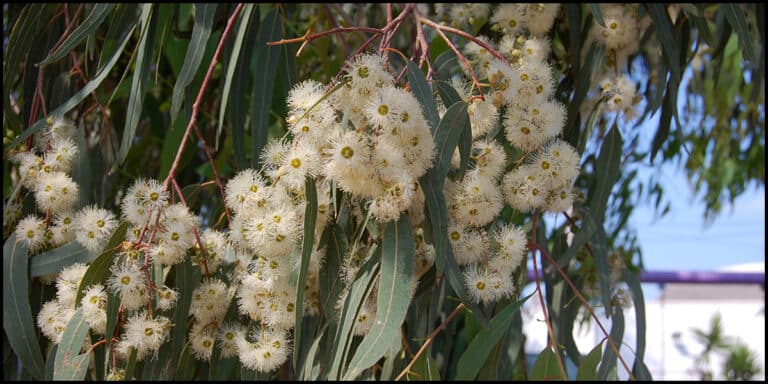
{"x": 608, "y": 168}
{"x": 200, "y": 33}
{"x": 70, "y": 364}
{"x": 666, "y": 36}
{"x": 476, "y": 354}
{"x": 588, "y": 366}
{"x": 310, "y": 219}
{"x": 139, "y": 82}
{"x": 56, "y": 259}
{"x": 423, "y": 93}
{"x": 78, "y": 97}
{"x": 597, "y": 13}
{"x": 238, "y": 106}
{"x": 608, "y": 363}
{"x": 234, "y": 60}
{"x": 18, "y": 323}
{"x": 93, "y": 20}
{"x": 395, "y": 278}
{"x": 98, "y": 271}
{"x": 639, "y": 370}
{"x": 735, "y": 16}
{"x": 449, "y": 96}
{"x": 546, "y": 366}
{"x": 267, "y": 58}
{"x": 445, "y": 64}
{"x": 358, "y": 291}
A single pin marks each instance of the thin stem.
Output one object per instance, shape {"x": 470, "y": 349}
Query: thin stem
{"x": 463, "y": 60}
{"x": 465, "y": 35}
{"x": 196, "y": 105}
{"x": 207, "y": 151}
{"x": 552, "y": 339}
{"x": 194, "y": 229}
{"x": 429, "y": 340}
{"x": 314, "y": 36}
{"x": 586, "y": 305}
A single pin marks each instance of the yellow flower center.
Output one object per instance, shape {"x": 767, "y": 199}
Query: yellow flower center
{"x": 524, "y": 77}
{"x": 305, "y": 128}
{"x": 94, "y": 299}
{"x": 66, "y": 220}
{"x": 347, "y": 152}
{"x": 100, "y": 223}
{"x": 480, "y": 285}
{"x": 149, "y": 331}
{"x": 362, "y": 72}
{"x": 455, "y": 235}
{"x": 383, "y": 110}
{"x": 175, "y": 236}
{"x": 125, "y": 280}
{"x": 296, "y": 163}
{"x": 545, "y": 165}
{"x": 207, "y": 343}
{"x": 512, "y": 23}
{"x": 525, "y": 130}
{"x": 614, "y": 25}
{"x": 30, "y": 234}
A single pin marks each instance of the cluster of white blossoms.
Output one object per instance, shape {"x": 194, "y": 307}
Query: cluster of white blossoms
{"x": 461, "y": 14}
{"x": 521, "y": 94}
{"x": 44, "y": 170}
{"x": 621, "y": 37}
{"x": 621, "y": 33}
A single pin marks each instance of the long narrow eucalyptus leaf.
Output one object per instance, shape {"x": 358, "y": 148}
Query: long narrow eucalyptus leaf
{"x": 139, "y": 81}
{"x": 267, "y": 58}
{"x": 234, "y": 60}
{"x": 200, "y": 33}
{"x": 310, "y": 219}
{"x": 93, "y": 20}
{"x": 18, "y": 323}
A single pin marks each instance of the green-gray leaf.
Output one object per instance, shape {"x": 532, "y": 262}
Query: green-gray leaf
{"x": 245, "y": 17}
{"x": 78, "y": 97}
{"x": 617, "y": 333}
{"x": 200, "y": 33}
{"x": 395, "y": 279}
{"x": 267, "y": 58}
{"x": 609, "y": 168}
{"x": 736, "y": 18}
{"x": 310, "y": 219}
{"x": 423, "y": 93}
{"x": 546, "y": 366}
{"x": 139, "y": 81}
{"x": 70, "y": 364}
{"x": 588, "y": 365}
{"x": 59, "y": 258}
{"x": 474, "y": 357}
{"x": 18, "y": 323}
{"x": 92, "y": 21}
{"x": 98, "y": 271}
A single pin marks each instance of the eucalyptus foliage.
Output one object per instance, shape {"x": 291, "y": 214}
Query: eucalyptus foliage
{"x": 177, "y": 105}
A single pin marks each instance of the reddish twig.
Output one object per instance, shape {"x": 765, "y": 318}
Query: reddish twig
{"x": 552, "y": 340}
{"x": 439, "y": 27}
{"x": 308, "y": 38}
{"x": 429, "y": 341}
{"x": 207, "y": 151}
{"x": 198, "y": 100}
{"x": 463, "y": 59}
{"x": 194, "y": 229}
{"x": 581, "y": 298}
